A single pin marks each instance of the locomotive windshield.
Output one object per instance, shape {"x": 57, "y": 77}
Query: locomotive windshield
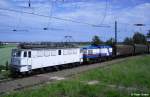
{"x": 16, "y": 53}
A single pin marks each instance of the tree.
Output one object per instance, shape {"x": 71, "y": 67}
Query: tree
{"x": 110, "y": 41}
{"x": 148, "y": 34}
{"x": 96, "y": 41}
{"x": 128, "y": 41}
{"x": 1, "y": 43}
{"x": 139, "y": 38}
{"x": 148, "y": 37}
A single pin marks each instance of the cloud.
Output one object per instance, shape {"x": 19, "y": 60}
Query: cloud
{"x": 5, "y": 3}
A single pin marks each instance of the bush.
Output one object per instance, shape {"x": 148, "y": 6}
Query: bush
{"x": 2, "y": 68}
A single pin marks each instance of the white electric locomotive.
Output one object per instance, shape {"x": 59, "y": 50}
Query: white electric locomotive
{"x": 25, "y": 60}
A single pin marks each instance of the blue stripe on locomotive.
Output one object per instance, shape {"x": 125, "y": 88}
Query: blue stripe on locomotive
{"x": 91, "y": 55}
{"x": 90, "y": 47}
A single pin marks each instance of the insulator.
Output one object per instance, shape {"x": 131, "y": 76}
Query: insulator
{"x": 14, "y": 30}
{"x": 45, "y": 28}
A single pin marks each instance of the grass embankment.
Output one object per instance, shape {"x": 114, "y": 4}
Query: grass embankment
{"x": 5, "y": 54}
{"x": 117, "y": 80}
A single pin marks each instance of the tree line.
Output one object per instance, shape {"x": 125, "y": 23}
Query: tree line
{"x": 1, "y": 43}
{"x": 138, "y": 38}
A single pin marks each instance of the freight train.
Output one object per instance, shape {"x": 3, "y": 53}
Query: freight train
{"x": 27, "y": 58}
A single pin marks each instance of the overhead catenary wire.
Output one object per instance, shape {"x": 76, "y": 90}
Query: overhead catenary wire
{"x": 50, "y": 17}
{"x": 18, "y": 24}
{"x": 26, "y": 28}
{"x": 105, "y": 12}
{"x": 54, "y": 17}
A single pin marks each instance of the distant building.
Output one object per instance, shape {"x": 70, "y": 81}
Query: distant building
{"x": 11, "y": 43}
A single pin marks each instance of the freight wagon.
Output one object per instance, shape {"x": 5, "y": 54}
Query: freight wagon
{"x": 124, "y": 50}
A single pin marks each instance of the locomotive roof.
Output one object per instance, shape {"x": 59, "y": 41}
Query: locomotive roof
{"x": 48, "y": 48}
{"x": 53, "y": 46}
{"x": 104, "y": 46}
{"x": 95, "y": 47}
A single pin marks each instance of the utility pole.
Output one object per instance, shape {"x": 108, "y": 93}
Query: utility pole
{"x": 115, "y": 32}
{"x": 115, "y": 48}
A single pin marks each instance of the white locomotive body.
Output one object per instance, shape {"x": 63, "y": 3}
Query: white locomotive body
{"x": 24, "y": 60}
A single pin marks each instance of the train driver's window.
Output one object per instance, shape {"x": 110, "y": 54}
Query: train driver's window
{"x": 90, "y": 51}
{"x": 25, "y": 54}
{"x": 18, "y": 54}
{"x": 29, "y": 54}
{"x": 84, "y": 51}
{"x": 81, "y": 51}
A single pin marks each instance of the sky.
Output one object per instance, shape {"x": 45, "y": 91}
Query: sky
{"x": 81, "y": 19}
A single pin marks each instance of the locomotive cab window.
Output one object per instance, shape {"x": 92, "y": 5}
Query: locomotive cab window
{"x": 25, "y": 54}
{"x": 59, "y": 52}
{"x": 81, "y": 50}
{"x": 17, "y": 54}
{"x": 90, "y": 51}
{"x": 29, "y": 54}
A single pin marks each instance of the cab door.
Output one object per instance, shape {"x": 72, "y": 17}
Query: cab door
{"x": 29, "y": 58}
{"x": 25, "y": 58}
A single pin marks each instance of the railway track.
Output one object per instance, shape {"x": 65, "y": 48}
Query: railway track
{"x": 21, "y": 83}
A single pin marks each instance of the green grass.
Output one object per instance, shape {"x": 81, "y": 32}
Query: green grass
{"x": 5, "y": 52}
{"x": 133, "y": 73}
{"x": 69, "y": 89}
